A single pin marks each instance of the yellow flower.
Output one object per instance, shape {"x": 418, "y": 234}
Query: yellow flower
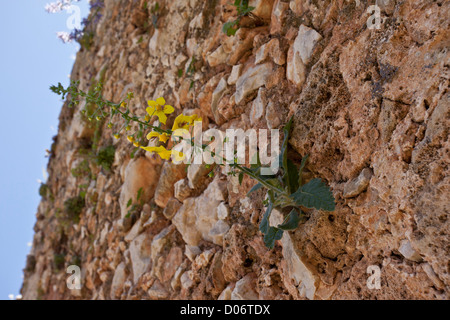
{"x": 159, "y": 108}
{"x": 123, "y": 104}
{"x": 163, "y": 137}
{"x": 136, "y": 144}
{"x": 185, "y": 122}
{"x": 161, "y": 151}
{"x": 130, "y": 138}
{"x": 117, "y": 136}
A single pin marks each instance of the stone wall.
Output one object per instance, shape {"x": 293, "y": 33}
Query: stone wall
{"x": 370, "y": 107}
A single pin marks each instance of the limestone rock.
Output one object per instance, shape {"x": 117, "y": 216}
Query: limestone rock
{"x": 217, "y": 232}
{"x": 300, "y": 273}
{"x": 254, "y": 78}
{"x": 223, "y": 211}
{"x": 160, "y": 241}
{"x": 202, "y": 212}
{"x": 279, "y": 12}
{"x": 204, "y": 98}
{"x": 243, "y": 43}
{"x": 258, "y": 106}
{"x": 408, "y": 252}
{"x": 186, "y": 281}
{"x": 157, "y": 291}
{"x": 217, "y": 57}
{"x": 245, "y": 289}
{"x": 263, "y": 8}
{"x": 227, "y": 292}
{"x": 197, "y": 174}
{"x": 191, "y": 252}
{"x": 182, "y": 190}
{"x": 235, "y": 74}
{"x": 218, "y": 93}
{"x": 140, "y": 253}
{"x": 274, "y": 117}
{"x": 300, "y": 53}
{"x": 118, "y": 281}
{"x": 358, "y": 185}
{"x": 171, "y": 208}
{"x": 140, "y": 173}
{"x": 271, "y": 49}
{"x": 135, "y": 230}
{"x": 170, "y": 174}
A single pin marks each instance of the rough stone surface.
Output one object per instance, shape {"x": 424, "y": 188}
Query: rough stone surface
{"x": 170, "y": 174}
{"x": 369, "y": 106}
{"x": 258, "y": 106}
{"x": 358, "y": 185}
{"x": 201, "y": 212}
{"x": 300, "y": 54}
{"x": 140, "y": 256}
{"x": 252, "y": 79}
{"x": 137, "y": 175}
{"x": 245, "y": 289}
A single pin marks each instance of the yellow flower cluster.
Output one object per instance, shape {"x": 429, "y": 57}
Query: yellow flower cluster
{"x": 181, "y": 124}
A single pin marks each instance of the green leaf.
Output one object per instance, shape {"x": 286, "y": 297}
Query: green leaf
{"x": 314, "y": 194}
{"x": 272, "y": 235}
{"x": 292, "y": 176}
{"x": 291, "y": 221}
{"x": 300, "y": 170}
{"x": 139, "y": 194}
{"x": 230, "y": 28}
{"x": 255, "y": 188}
{"x": 129, "y": 203}
{"x": 246, "y": 11}
{"x": 274, "y": 182}
{"x": 241, "y": 177}
{"x": 264, "y": 225}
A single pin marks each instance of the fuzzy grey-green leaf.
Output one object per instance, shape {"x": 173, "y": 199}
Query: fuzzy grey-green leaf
{"x": 272, "y": 235}
{"x": 255, "y": 188}
{"x": 314, "y": 194}
{"x": 264, "y": 225}
{"x": 291, "y": 222}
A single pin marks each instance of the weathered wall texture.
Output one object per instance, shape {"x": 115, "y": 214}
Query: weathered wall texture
{"x": 371, "y": 107}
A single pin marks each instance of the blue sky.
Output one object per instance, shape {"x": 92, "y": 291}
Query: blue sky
{"x": 31, "y": 60}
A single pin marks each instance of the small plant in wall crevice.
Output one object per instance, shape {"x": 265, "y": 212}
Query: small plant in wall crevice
{"x": 285, "y": 188}
{"x": 231, "y": 27}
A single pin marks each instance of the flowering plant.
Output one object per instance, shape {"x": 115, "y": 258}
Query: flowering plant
{"x": 286, "y": 188}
